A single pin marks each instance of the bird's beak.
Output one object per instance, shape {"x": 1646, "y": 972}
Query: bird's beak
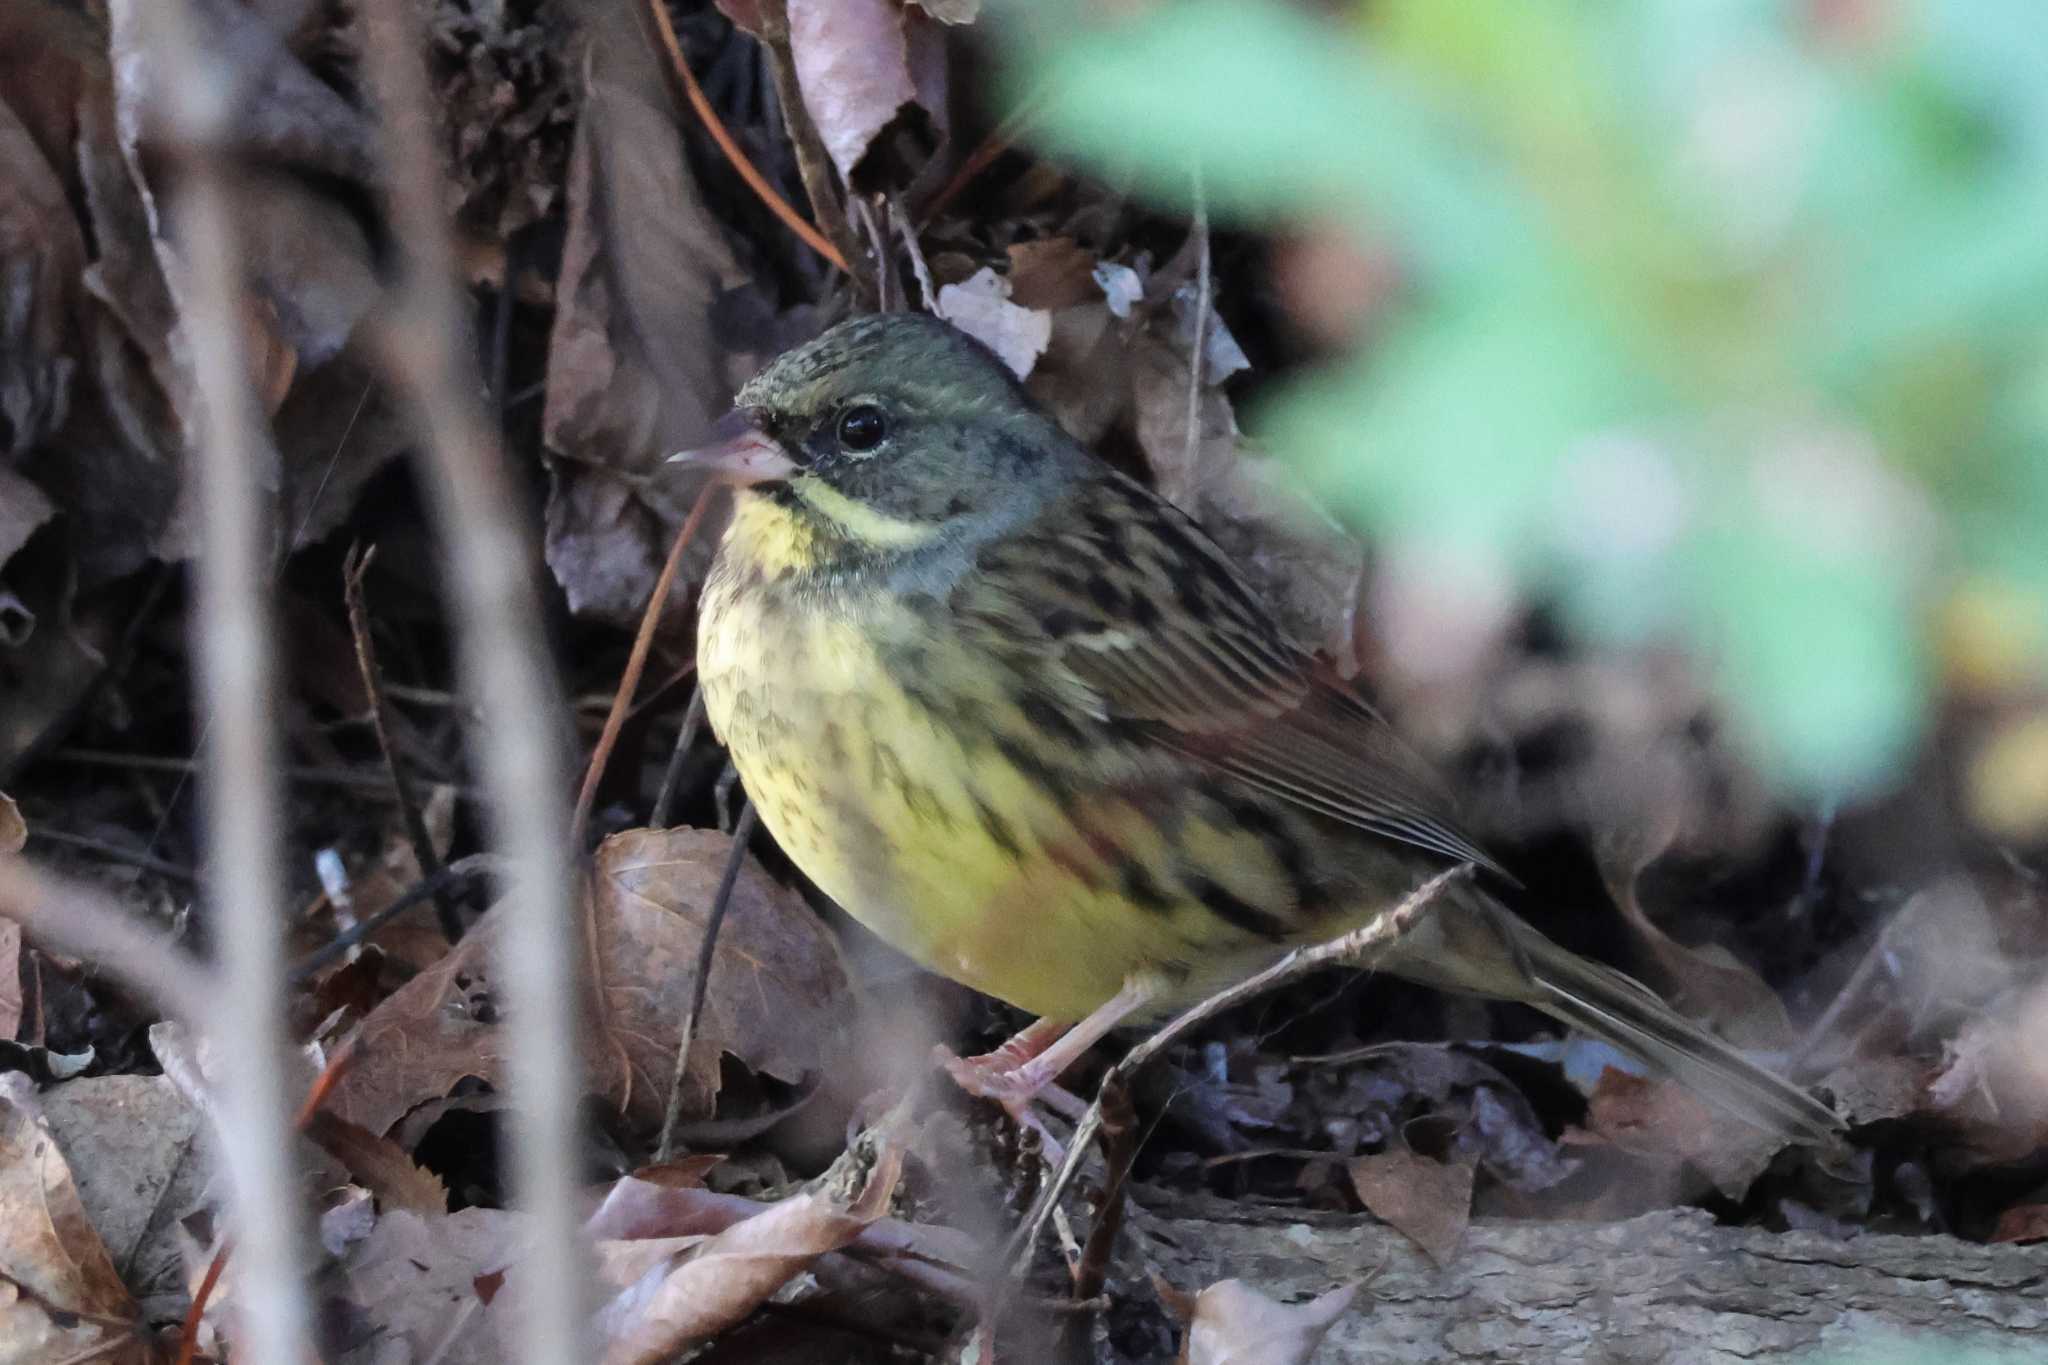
{"x": 740, "y": 451}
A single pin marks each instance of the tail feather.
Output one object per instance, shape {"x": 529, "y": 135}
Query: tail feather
{"x": 1619, "y": 1010}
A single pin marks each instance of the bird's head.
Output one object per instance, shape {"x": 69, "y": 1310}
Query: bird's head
{"x": 884, "y": 432}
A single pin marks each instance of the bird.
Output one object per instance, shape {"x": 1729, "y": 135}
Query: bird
{"x": 1022, "y": 718}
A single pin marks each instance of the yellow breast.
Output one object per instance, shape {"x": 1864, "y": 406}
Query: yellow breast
{"x": 868, "y": 739}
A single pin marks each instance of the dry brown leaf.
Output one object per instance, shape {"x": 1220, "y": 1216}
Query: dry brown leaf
{"x": 41, "y": 255}
{"x": 634, "y": 370}
{"x": 1427, "y": 1201}
{"x": 1666, "y": 1122}
{"x": 745, "y": 14}
{"x": 855, "y": 65}
{"x": 380, "y": 1166}
{"x": 981, "y": 307}
{"x": 687, "y": 1291}
{"x": 2022, "y": 1223}
{"x": 61, "y": 1296}
{"x": 635, "y": 1209}
{"x": 777, "y": 996}
{"x": 1052, "y": 273}
{"x": 1234, "y": 1324}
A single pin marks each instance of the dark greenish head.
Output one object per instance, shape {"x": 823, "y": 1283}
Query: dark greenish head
{"x": 885, "y": 430}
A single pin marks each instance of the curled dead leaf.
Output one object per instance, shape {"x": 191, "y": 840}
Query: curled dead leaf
{"x": 679, "y": 1292}
{"x": 1235, "y": 1324}
{"x": 60, "y": 1296}
{"x": 1427, "y": 1201}
{"x": 777, "y": 995}
{"x": 865, "y": 67}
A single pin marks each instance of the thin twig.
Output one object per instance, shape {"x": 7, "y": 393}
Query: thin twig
{"x": 354, "y": 566}
{"x": 813, "y": 162}
{"x": 756, "y": 182}
{"x": 920, "y": 269}
{"x": 700, "y": 983}
{"x": 1360, "y": 947}
{"x": 636, "y": 663}
{"x": 457, "y": 873}
{"x": 377, "y": 783}
{"x": 505, "y": 664}
{"x": 115, "y": 853}
{"x": 236, "y": 674}
{"x": 665, "y": 799}
{"x": 1119, "y": 1150}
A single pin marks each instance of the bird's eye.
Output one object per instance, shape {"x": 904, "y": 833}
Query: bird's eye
{"x": 862, "y": 427}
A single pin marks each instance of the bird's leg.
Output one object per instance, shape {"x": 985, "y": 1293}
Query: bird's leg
{"x": 1025, "y": 1067}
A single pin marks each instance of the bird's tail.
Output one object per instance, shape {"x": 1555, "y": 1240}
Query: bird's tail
{"x": 1620, "y": 1010}
{"x": 1472, "y": 943}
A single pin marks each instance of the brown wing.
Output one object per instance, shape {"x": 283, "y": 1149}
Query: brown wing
{"x": 1156, "y": 626}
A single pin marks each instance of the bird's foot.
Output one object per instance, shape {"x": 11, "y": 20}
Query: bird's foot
{"x": 1019, "y": 1088}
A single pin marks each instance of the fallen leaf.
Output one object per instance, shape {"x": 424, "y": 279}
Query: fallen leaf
{"x": 61, "y": 1297}
{"x": 41, "y": 255}
{"x": 683, "y": 1292}
{"x": 1052, "y": 273}
{"x": 635, "y": 371}
{"x": 1234, "y": 1324}
{"x": 2022, "y": 1223}
{"x": 777, "y": 998}
{"x": 1994, "y": 1082}
{"x": 981, "y": 307}
{"x": 415, "y": 1279}
{"x": 1427, "y": 1201}
{"x": 13, "y": 829}
{"x": 380, "y": 1165}
{"x": 1663, "y": 1120}
{"x": 858, "y": 71}
{"x": 778, "y": 994}
{"x": 135, "y": 1149}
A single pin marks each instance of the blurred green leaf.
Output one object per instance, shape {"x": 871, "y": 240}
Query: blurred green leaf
{"x": 1636, "y": 236}
{"x": 1273, "y": 111}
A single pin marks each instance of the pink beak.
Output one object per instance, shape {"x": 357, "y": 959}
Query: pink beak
{"x": 741, "y": 453}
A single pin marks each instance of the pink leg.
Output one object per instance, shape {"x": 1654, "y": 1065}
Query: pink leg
{"x": 1024, "y": 1068}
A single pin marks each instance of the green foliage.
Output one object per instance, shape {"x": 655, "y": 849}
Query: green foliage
{"x": 1783, "y": 274}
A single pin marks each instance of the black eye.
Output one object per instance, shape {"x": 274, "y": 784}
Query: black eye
{"x": 862, "y": 427}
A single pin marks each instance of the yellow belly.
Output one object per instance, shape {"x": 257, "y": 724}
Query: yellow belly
{"x": 926, "y": 836}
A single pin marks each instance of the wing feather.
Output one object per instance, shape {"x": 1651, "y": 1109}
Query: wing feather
{"x": 1155, "y": 623}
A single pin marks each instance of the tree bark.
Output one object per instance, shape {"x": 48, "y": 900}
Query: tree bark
{"x": 1665, "y": 1287}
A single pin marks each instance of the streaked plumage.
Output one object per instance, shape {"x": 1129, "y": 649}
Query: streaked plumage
{"x": 1022, "y": 718}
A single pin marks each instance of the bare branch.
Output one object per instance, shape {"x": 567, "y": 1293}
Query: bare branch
{"x": 505, "y": 665}
{"x": 236, "y": 674}
{"x": 78, "y": 921}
